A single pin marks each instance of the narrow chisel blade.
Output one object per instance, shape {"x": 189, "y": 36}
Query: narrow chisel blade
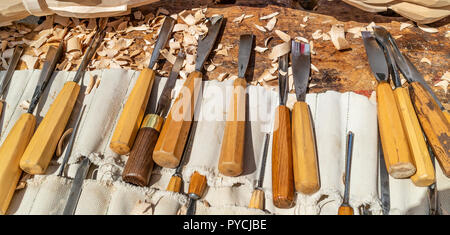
{"x": 376, "y": 57}
{"x": 77, "y": 186}
{"x": 163, "y": 36}
{"x": 245, "y": 51}
{"x": 206, "y": 44}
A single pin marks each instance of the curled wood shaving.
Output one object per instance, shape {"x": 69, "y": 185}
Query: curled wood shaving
{"x": 443, "y": 84}
{"x": 90, "y": 85}
{"x": 427, "y": 29}
{"x": 59, "y": 150}
{"x": 338, "y": 37}
{"x": 269, "y": 16}
{"x": 305, "y": 19}
{"x": 405, "y": 25}
{"x": 260, "y": 28}
{"x": 284, "y": 36}
{"x": 30, "y": 61}
{"x": 261, "y": 49}
{"x": 279, "y": 50}
{"x": 302, "y": 39}
{"x": 425, "y": 60}
{"x": 267, "y": 40}
{"x": 222, "y": 76}
{"x": 180, "y": 27}
{"x": 239, "y": 19}
{"x": 58, "y": 35}
{"x": 271, "y": 24}
{"x": 23, "y": 181}
{"x": 73, "y": 44}
{"x": 313, "y": 67}
{"x": 64, "y": 21}
{"x": 317, "y": 34}
{"x": 188, "y": 19}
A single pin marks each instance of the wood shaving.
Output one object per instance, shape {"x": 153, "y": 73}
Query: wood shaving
{"x": 313, "y": 67}
{"x": 443, "y": 84}
{"x": 30, "y": 61}
{"x": 269, "y": 16}
{"x": 338, "y": 37}
{"x": 312, "y": 85}
{"x": 222, "y": 76}
{"x": 260, "y": 28}
{"x": 23, "y": 181}
{"x": 280, "y": 50}
{"x": 302, "y": 25}
{"x": 397, "y": 37}
{"x": 356, "y": 31}
{"x": 284, "y": 36}
{"x": 271, "y": 24}
{"x": 8, "y": 53}
{"x": 302, "y": 39}
{"x": 267, "y": 40}
{"x": 266, "y": 76}
{"x": 406, "y": 25}
{"x": 446, "y": 76}
{"x": 188, "y": 19}
{"x": 24, "y": 105}
{"x": 447, "y": 34}
{"x": 180, "y": 27}
{"x": 305, "y": 19}
{"x": 427, "y": 29}
{"x": 370, "y": 26}
{"x": 4, "y": 45}
{"x": 138, "y": 28}
{"x": 47, "y": 24}
{"x": 326, "y": 37}
{"x": 59, "y": 149}
{"x": 91, "y": 84}
{"x": 317, "y": 34}
{"x": 210, "y": 67}
{"x": 261, "y": 49}
{"x": 74, "y": 44}
{"x": 162, "y": 11}
{"x": 425, "y": 60}
{"x": 58, "y": 35}
{"x": 168, "y": 56}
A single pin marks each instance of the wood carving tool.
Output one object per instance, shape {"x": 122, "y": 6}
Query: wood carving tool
{"x": 257, "y": 199}
{"x": 77, "y": 186}
{"x": 42, "y": 145}
{"x": 433, "y": 198}
{"x": 433, "y": 117}
{"x": 173, "y": 136}
{"x": 18, "y": 138}
{"x": 384, "y": 180}
{"x": 139, "y": 166}
{"x": 306, "y": 170}
{"x": 395, "y": 145}
{"x": 345, "y": 208}
{"x": 424, "y": 175}
{"x": 197, "y": 186}
{"x": 282, "y": 166}
{"x": 231, "y": 161}
{"x": 134, "y": 109}
{"x": 9, "y": 73}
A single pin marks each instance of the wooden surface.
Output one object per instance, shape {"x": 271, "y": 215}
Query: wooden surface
{"x": 257, "y": 199}
{"x": 231, "y": 161}
{"x": 197, "y": 184}
{"x": 175, "y": 184}
{"x": 132, "y": 113}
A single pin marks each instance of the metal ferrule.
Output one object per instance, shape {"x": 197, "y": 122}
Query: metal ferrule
{"x": 153, "y": 121}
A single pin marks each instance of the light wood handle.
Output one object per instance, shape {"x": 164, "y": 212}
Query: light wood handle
{"x": 197, "y": 184}
{"x": 257, "y": 200}
{"x": 345, "y": 210}
{"x": 399, "y": 162}
{"x": 231, "y": 161}
{"x": 42, "y": 145}
{"x": 434, "y": 123}
{"x": 1, "y": 107}
{"x": 447, "y": 115}
{"x": 170, "y": 144}
{"x": 132, "y": 114}
{"x": 174, "y": 184}
{"x": 424, "y": 175}
{"x": 282, "y": 166}
{"x": 306, "y": 171}
{"x": 10, "y": 153}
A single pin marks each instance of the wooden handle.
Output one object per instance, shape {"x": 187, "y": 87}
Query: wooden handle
{"x": 399, "y": 162}
{"x": 306, "y": 171}
{"x": 10, "y": 153}
{"x": 174, "y": 184}
{"x": 170, "y": 144}
{"x": 132, "y": 113}
{"x": 257, "y": 200}
{"x": 345, "y": 210}
{"x": 1, "y": 107}
{"x": 231, "y": 161}
{"x": 197, "y": 185}
{"x": 447, "y": 115}
{"x": 424, "y": 175}
{"x": 282, "y": 167}
{"x": 434, "y": 123}
{"x": 42, "y": 145}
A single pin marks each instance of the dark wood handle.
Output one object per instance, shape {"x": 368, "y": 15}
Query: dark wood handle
{"x": 282, "y": 166}
{"x": 197, "y": 184}
{"x": 139, "y": 166}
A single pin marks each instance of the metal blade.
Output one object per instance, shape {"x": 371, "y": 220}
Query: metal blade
{"x": 191, "y": 207}
{"x": 164, "y": 100}
{"x": 348, "y": 166}
{"x": 77, "y": 186}
{"x": 301, "y": 67}
{"x": 432, "y": 189}
{"x": 384, "y": 180}
{"x": 245, "y": 51}
{"x": 375, "y": 54}
{"x": 164, "y": 33}
{"x": 383, "y": 41}
{"x": 206, "y": 44}
{"x": 11, "y": 68}
{"x": 283, "y": 63}
{"x": 90, "y": 52}
{"x": 262, "y": 169}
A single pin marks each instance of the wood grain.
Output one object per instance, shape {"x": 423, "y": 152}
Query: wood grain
{"x": 42, "y": 145}
{"x": 197, "y": 184}
{"x": 306, "y": 170}
{"x": 132, "y": 113}
{"x": 257, "y": 200}
{"x": 424, "y": 175}
{"x": 170, "y": 144}
{"x": 175, "y": 184}
{"x": 345, "y": 210}
{"x": 282, "y": 166}
{"x": 10, "y": 153}
{"x": 231, "y": 161}
{"x": 2, "y": 102}
{"x": 434, "y": 123}
{"x": 399, "y": 162}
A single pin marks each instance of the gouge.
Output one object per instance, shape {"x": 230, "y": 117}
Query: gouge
{"x": 42, "y": 145}
{"x": 231, "y": 161}
{"x": 396, "y": 151}
{"x": 9, "y": 73}
{"x": 282, "y": 166}
{"x": 139, "y": 165}
{"x": 306, "y": 170}
{"x": 134, "y": 109}
{"x": 345, "y": 208}
{"x": 171, "y": 141}
{"x": 257, "y": 199}
{"x": 432, "y": 115}
{"x": 197, "y": 186}
{"x": 424, "y": 175}
{"x": 18, "y": 138}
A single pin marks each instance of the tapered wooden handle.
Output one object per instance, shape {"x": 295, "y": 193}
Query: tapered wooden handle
{"x": 170, "y": 144}
{"x": 132, "y": 114}
{"x": 197, "y": 184}
{"x": 434, "y": 123}
{"x": 231, "y": 161}
{"x": 42, "y": 145}
{"x": 175, "y": 184}
{"x": 399, "y": 162}
{"x": 10, "y": 153}
{"x": 306, "y": 171}
{"x": 257, "y": 200}
{"x": 345, "y": 210}
{"x": 447, "y": 115}
{"x": 1, "y": 107}
{"x": 424, "y": 175}
{"x": 282, "y": 166}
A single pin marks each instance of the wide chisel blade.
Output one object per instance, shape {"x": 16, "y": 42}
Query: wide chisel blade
{"x": 245, "y": 51}
{"x": 301, "y": 66}
{"x": 206, "y": 44}
{"x": 163, "y": 36}
{"x": 375, "y": 54}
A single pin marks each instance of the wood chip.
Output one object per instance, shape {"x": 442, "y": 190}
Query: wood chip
{"x": 302, "y": 39}
{"x": 222, "y": 76}
{"x": 313, "y": 67}
{"x": 261, "y": 49}
{"x": 260, "y": 28}
{"x": 239, "y": 19}
{"x": 406, "y": 25}
{"x": 267, "y": 40}
{"x": 74, "y": 44}
{"x": 24, "y": 104}
{"x": 425, "y": 60}
{"x": 180, "y": 27}
{"x": 168, "y": 56}
{"x": 317, "y": 34}
{"x": 443, "y": 84}
{"x": 210, "y": 67}
{"x": 269, "y": 16}
{"x": 4, "y": 45}
{"x": 279, "y": 50}
{"x": 284, "y": 36}
{"x": 271, "y": 24}
{"x": 305, "y": 19}
{"x": 338, "y": 37}
{"x": 59, "y": 149}
{"x": 30, "y": 61}
{"x": 64, "y": 21}
{"x": 266, "y": 76}
{"x": 427, "y": 29}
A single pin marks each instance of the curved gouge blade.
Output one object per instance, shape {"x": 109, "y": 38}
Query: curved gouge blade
{"x": 377, "y": 60}
{"x": 206, "y": 44}
{"x": 11, "y": 68}
{"x": 164, "y": 33}
{"x": 283, "y": 64}
{"x": 77, "y": 186}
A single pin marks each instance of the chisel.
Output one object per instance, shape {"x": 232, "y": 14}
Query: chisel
{"x": 171, "y": 141}
{"x": 134, "y": 109}
{"x": 306, "y": 171}
{"x": 231, "y": 161}
{"x": 345, "y": 208}
{"x": 433, "y": 117}
{"x": 385, "y": 197}
{"x": 77, "y": 187}
{"x": 282, "y": 166}
{"x": 424, "y": 175}
{"x": 398, "y": 158}
{"x": 9, "y": 73}
{"x": 42, "y": 145}
{"x": 18, "y": 138}
{"x": 197, "y": 186}
{"x": 139, "y": 165}
{"x": 257, "y": 199}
